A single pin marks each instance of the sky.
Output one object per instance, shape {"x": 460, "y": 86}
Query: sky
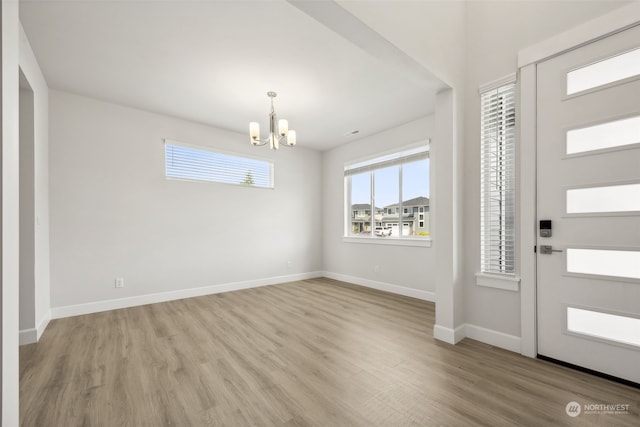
{"x": 415, "y": 183}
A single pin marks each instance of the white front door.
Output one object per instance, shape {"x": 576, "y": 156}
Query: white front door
{"x": 588, "y": 186}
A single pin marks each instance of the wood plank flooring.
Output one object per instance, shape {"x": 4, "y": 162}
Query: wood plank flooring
{"x": 311, "y": 353}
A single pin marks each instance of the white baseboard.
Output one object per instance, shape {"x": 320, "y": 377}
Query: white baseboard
{"x": 28, "y": 336}
{"x": 448, "y": 335}
{"x": 478, "y": 333}
{"x": 494, "y": 338}
{"x": 114, "y": 304}
{"x": 451, "y": 336}
{"x": 382, "y": 286}
{"x": 32, "y": 335}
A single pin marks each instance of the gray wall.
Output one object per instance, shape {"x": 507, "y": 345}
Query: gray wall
{"x": 467, "y": 44}
{"x": 408, "y": 267}
{"x": 490, "y": 56}
{"x": 27, "y": 209}
{"x": 114, "y": 214}
{"x": 34, "y": 209}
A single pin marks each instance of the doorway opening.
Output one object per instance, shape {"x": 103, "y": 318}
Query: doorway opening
{"x": 27, "y": 213}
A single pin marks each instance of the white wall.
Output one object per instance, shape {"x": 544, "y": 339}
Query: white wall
{"x": 403, "y": 269}
{"x": 467, "y": 44}
{"x": 27, "y": 210}
{"x": 9, "y": 212}
{"x": 113, "y": 213}
{"x": 35, "y": 303}
{"x": 433, "y": 34}
{"x": 490, "y": 56}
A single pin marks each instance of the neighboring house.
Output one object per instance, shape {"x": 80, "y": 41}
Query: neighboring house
{"x": 361, "y": 218}
{"x": 415, "y": 217}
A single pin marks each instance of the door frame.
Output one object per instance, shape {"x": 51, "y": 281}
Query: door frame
{"x": 615, "y": 21}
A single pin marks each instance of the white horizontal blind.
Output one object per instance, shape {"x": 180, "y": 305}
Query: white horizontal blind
{"x": 382, "y": 162}
{"x": 201, "y": 164}
{"x": 498, "y": 124}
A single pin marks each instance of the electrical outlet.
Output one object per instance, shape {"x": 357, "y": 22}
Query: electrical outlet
{"x": 289, "y": 264}
{"x": 376, "y": 268}
{"x": 119, "y": 282}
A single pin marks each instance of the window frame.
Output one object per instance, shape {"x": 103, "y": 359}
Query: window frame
{"x": 388, "y": 240}
{"x": 499, "y": 271}
{"x": 269, "y": 162}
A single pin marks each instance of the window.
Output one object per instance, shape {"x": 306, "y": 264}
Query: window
{"x": 608, "y": 326}
{"x": 604, "y": 72}
{"x": 390, "y": 188}
{"x": 497, "y": 156}
{"x": 202, "y": 164}
{"x": 612, "y": 134}
{"x": 610, "y": 198}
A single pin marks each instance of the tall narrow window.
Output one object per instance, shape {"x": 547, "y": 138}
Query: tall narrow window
{"x": 497, "y": 212}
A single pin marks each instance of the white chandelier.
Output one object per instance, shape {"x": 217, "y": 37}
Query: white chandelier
{"x": 274, "y": 137}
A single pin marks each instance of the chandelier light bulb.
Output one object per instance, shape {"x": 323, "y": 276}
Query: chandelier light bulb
{"x": 275, "y": 135}
{"x": 291, "y": 138}
{"x": 283, "y": 127}
{"x": 254, "y": 131}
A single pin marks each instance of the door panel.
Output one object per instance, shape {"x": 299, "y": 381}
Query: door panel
{"x": 592, "y": 196}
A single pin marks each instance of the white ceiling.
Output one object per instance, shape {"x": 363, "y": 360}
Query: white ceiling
{"x": 213, "y": 62}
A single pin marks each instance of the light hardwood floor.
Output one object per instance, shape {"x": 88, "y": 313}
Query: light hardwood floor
{"x": 310, "y": 353}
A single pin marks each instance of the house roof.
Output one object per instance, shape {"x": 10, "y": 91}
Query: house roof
{"x": 417, "y": 201}
{"x": 359, "y": 206}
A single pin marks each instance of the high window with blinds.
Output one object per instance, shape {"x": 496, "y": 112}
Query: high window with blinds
{"x": 387, "y": 197}
{"x": 201, "y": 164}
{"x": 498, "y": 129}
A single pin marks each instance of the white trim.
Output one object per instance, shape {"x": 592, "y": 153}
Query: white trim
{"x": 527, "y": 210}
{"x": 32, "y": 335}
{"x": 114, "y": 304}
{"x": 448, "y": 335}
{"x": 508, "y": 283}
{"x": 43, "y": 324}
{"x": 614, "y": 21}
{"x": 478, "y": 333}
{"x": 28, "y": 336}
{"x": 508, "y": 79}
{"x": 382, "y": 286}
{"x": 494, "y": 338}
{"x": 451, "y": 336}
{"x": 426, "y": 142}
{"x": 406, "y": 241}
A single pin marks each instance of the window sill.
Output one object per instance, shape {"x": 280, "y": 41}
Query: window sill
{"x": 423, "y": 242}
{"x": 508, "y": 283}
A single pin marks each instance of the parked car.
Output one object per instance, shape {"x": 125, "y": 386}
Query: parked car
{"x": 381, "y": 231}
